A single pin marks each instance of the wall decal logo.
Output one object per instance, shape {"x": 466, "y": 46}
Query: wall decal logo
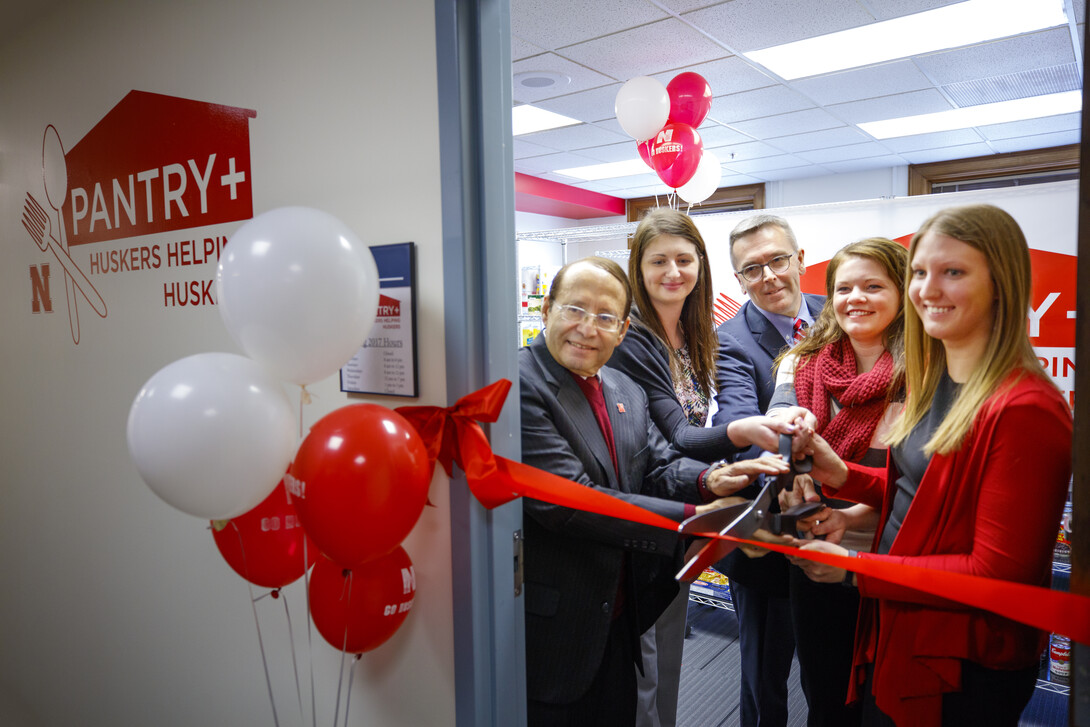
{"x": 153, "y": 164}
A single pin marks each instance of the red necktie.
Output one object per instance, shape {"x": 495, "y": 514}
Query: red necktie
{"x": 798, "y": 331}
{"x": 592, "y": 389}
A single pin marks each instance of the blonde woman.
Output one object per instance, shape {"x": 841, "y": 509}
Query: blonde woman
{"x": 975, "y": 483}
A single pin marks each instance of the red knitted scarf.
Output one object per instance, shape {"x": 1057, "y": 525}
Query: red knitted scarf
{"x": 862, "y": 397}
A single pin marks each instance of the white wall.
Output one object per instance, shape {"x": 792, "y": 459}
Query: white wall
{"x": 117, "y": 609}
{"x": 880, "y": 183}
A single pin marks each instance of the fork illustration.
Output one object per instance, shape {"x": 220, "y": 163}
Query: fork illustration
{"x": 40, "y": 227}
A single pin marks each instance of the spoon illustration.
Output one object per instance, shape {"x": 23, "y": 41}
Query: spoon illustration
{"x": 55, "y": 177}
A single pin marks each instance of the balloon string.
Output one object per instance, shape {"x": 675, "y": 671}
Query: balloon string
{"x": 310, "y": 639}
{"x": 264, "y": 660}
{"x": 344, "y": 646}
{"x": 294, "y": 660}
{"x": 348, "y": 699}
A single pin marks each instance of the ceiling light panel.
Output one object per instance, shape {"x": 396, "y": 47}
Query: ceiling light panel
{"x": 952, "y": 26}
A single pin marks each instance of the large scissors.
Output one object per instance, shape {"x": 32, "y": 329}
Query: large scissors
{"x": 748, "y": 520}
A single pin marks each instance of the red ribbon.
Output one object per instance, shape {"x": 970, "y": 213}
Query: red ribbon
{"x": 452, "y": 434}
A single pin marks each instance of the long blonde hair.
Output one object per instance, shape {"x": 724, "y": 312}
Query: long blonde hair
{"x": 995, "y": 234}
{"x": 696, "y": 314}
{"x": 893, "y": 259}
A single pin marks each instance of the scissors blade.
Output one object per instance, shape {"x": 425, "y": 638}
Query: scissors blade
{"x": 715, "y": 521}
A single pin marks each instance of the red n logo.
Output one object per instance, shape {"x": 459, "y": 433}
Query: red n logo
{"x": 39, "y": 285}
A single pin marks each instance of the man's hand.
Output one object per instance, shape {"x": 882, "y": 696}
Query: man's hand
{"x": 719, "y": 504}
{"x": 734, "y": 476}
{"x": 803, "y": 491}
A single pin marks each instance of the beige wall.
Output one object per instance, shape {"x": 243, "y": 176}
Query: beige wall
{"x": 116, "y": 609}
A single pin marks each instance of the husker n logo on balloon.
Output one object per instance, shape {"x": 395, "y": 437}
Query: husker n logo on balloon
{"x": 153, "y": 164}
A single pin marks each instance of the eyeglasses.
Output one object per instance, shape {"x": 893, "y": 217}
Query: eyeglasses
{"x": 605, "y": 322}
{"x": 778, "y": 264}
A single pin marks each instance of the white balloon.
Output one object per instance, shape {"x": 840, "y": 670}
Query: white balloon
{"x": 705, "y": 180}
{"x": 212, "y": 434}
{"x": 642, "y": 107}
{"x": 298, "y": 292}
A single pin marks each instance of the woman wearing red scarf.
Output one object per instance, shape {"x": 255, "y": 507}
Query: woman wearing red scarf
{"x": 982, "y": 426}
{"x": 848, "y": 372}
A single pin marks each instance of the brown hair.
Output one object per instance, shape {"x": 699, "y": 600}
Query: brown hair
{"x": 696, "y": 314}
{"x": 894, "y": 261}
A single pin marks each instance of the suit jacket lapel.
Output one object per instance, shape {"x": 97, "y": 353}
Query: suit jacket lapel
{"x": 576, "y": 407}
{"x": 622, "y": 429}
{"x": 764, "y": 332}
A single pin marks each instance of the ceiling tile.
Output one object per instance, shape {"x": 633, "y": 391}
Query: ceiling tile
{"x": 655, "y": 48}
{"x": 968, "y": 151}
{"x": 582, "y": 78}
{"x": 521, "y": 49}
{"x": 684, "y": 6}
{"x": 725, "y": 75}
{"x": 759, "y": 103}
{"x": 522, "y": 149}
{"x": 858, "y": 165}
{"x": 839, "y": 136}
{"x": 745, "y": 25}
{"x": 597, "y": 104}
{"x": 552, "y": 24}
{"x": 732, "y": 153}
{"x": 552, "y": 162}
{"x": 887, "y": 9}
{"x": 783, "y": 161}
{"x": 861, "y": 83}
{"x": 796, "y": 122}
{"x": 939, "y": 139}
{"x": 1032, "y": 127}
{"x": 612, "y": 152}
{"x": 714, "y": 135}
{"x": 997, "y": 58}
{"x": 1041, "y": 141}
{"x": 891, "y": 107}
{"x": 579, "y": 136}
{"x": 843, "y": 153}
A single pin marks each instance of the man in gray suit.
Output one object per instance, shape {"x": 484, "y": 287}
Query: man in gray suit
{"x": 594, "y": 583}
{"x": 768, "y": 264}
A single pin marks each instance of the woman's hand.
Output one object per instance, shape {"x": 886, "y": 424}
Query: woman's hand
{"x": 754, "y": 551}
{"x": 828, "y": 468}
{"x": 797, "y": 415}
{"x": 819, "y": 572}
{"x": 763, "y": 431}
{"x": 827, "y": 523}
{"x": 734, "y": 476}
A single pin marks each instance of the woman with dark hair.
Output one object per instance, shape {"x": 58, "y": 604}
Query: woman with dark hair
{"x": 849, "y": 372}
{"x": 982, "y": 426}
{"x": 670, "y": 351}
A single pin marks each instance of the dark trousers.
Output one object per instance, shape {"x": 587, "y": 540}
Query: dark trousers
{"x": 823, "y": 616}
{"x": 611, "y": 699}
{"x": 993, "y": 697}
{"x": 767, "y": 646}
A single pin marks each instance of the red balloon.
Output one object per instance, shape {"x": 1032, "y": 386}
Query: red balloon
{"x": 690, "y": 98}
{"x": 644, "y": 148}
{"x": 359, "y": 609}
{"x": 675, "y": 153}
{"x": 265, "y": 545}
{"x": 359, "y": 482}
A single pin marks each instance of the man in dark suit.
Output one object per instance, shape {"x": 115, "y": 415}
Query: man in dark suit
{"x": 594, "y": 583}
{"x": 768, "y": 264}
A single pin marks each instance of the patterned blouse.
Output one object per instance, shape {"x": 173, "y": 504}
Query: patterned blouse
{"x": 693, "y": 400}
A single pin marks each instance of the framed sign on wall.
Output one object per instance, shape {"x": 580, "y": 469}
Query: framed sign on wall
{"x": 386, "y": 362}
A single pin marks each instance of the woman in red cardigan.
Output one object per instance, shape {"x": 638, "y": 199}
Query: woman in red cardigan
{"x": 976, "y": 479}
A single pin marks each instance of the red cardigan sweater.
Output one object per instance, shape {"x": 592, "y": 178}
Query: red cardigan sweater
{"x": 990, "y": 509}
